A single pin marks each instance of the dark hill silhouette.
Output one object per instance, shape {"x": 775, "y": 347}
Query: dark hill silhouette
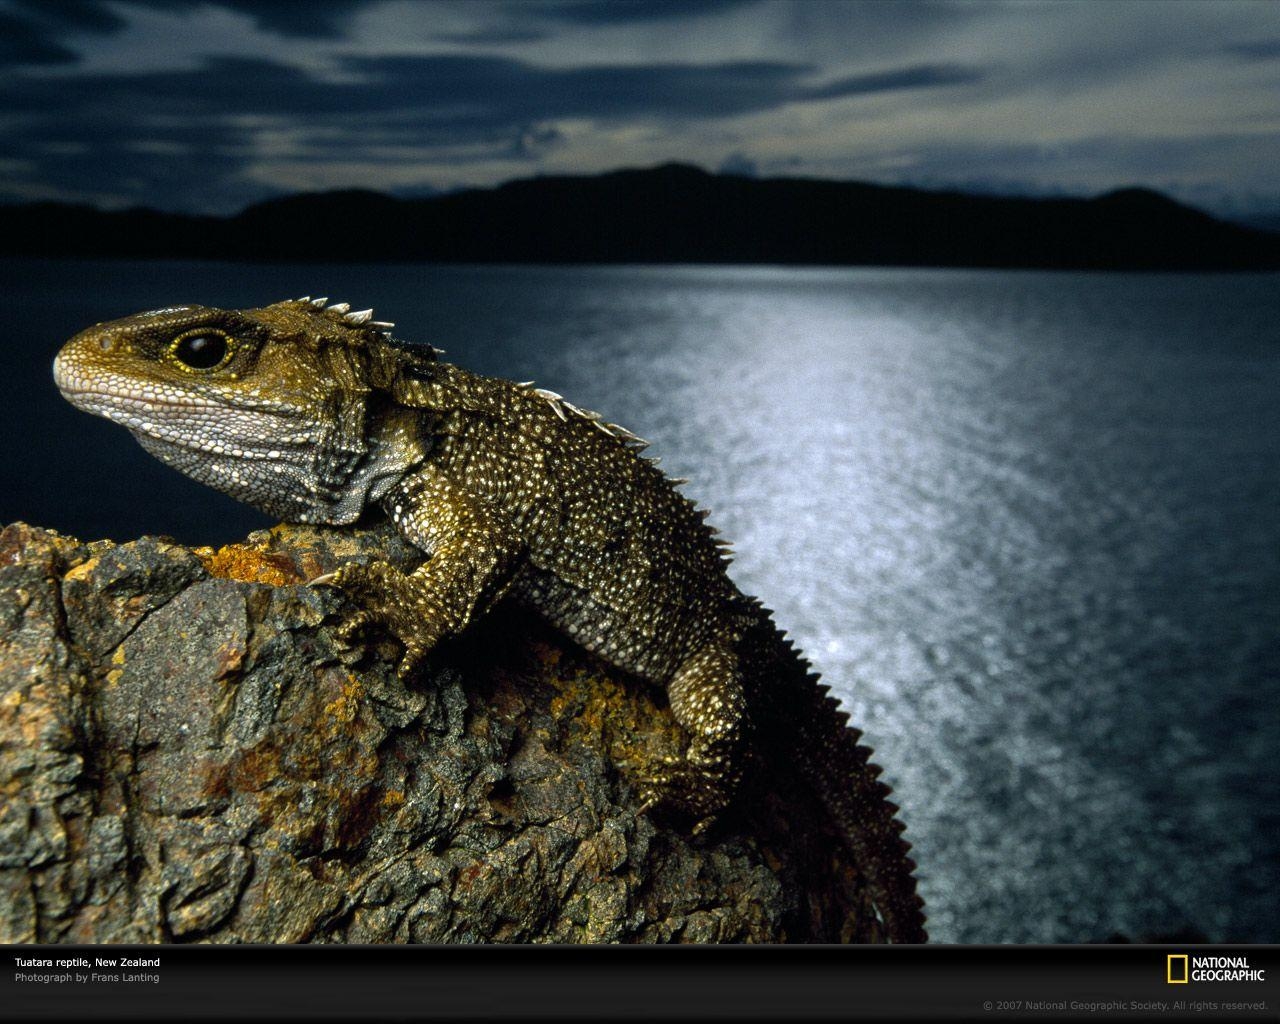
{"x": 669, "y": 214}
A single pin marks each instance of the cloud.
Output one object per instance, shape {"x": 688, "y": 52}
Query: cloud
{"x": 489, "y": 89}
{"x": 327, "y": 19}
{"x": 42, "y": 32}
{"x": 1189, "y": 168}
{"x": 187, "y": 166}
{"x": 491, "y": 36}
{"x": 1257, "y": 49}
{"x": 42, "y": 26}
{"x": 179, "y": 103}
{"x": 180, "y": 136}
{"x": 921, "y": 76}
{"x": 32, "y": 32}
{"x": 73, "y": 15}
{"x": 624, "y": 12}
{"x": 535, "y": 140}
{"x": 739, "y": 164}
{"x": 451, "y": 89}
{"x": 22, "y": 42}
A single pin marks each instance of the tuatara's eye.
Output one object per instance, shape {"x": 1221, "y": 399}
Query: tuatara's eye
{"x": 201, "y": 350}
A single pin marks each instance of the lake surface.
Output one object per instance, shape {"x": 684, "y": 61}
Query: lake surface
{"x": 1025, "y": 523}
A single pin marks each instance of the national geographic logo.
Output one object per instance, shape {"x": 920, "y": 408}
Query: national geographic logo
{"x": 1183, "y": 968}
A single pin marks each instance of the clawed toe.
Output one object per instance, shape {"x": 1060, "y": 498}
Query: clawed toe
{"x": 414, "y": 655}
{"x": 383, "y": 596}
{"x": 349, "y": 631}
{"x": 681, "y": 788}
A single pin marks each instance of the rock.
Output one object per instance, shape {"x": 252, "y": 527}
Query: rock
{"x": 187, "y": 754}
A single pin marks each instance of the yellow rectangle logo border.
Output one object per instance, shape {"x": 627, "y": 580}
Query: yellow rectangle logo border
{"x": 1186, "y": 971}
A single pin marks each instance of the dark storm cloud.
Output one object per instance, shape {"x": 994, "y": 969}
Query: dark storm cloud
{"x": 138, "y": 101}
{"x": 37, "y": 30}
{"x": 199, "y": 164}
{"x": 1257, "y": 49}
{"x": 225, "y": 86}
{"x": 494, "y": 36}
{"x": 152, "y": 134}
{"x": 326, "y": 19}
{"x": 622, "y": 12}
{"x": 882, "y": 23}
{"x": 72, "y": 15}
{"x": 22, "y": 42}
{"x": 489, "y": 89}
{"x": 167, "y": 139}
{"x": 923, "y": 76}
{"x": 34, "y": 32}
{"x": 42, "y": 25}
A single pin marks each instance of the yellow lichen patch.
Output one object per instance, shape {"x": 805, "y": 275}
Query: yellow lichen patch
{"x": 346, "y": 705}
{"x": 633, "y": 728}
{"x": 117, "y": 659}
{"x": 82, "y": 570}
{"x": 248, "y": 565}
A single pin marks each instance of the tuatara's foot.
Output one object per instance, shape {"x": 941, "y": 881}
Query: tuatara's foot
{"x": 676, "y": 785}
{"x": 388, "y": 600}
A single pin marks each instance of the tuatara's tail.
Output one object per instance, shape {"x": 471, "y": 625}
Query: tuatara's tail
{"x": 828, "y": 755}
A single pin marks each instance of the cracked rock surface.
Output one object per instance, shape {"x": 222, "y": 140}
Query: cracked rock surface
{"x": 186, "y": 754}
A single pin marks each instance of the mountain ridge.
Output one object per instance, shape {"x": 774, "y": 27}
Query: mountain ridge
{"x": 671, "y": 213}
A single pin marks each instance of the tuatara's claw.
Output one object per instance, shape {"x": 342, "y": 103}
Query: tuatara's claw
{"x": 684, "y": 789}
{"x": 389, "y": 603}
{"x": 414, "y": 655}
{"x": 354, "y": 626}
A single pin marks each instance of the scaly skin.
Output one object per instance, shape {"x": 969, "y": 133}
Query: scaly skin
{"x": 311, "y": 413}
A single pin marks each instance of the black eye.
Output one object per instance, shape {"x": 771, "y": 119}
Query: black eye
{"x": 202, "y": 350}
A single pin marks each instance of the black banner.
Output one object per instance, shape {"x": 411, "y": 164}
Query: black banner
{"x": 943, "y": 983}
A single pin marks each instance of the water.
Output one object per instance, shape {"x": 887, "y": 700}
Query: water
{"x": 1024, "y": 522}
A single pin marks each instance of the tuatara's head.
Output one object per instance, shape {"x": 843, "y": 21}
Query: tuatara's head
{"x": 286, "y": 408}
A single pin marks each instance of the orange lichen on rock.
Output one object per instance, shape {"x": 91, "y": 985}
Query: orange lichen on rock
{"x": 606, "y": 711}
{"x": 248, "y": 565}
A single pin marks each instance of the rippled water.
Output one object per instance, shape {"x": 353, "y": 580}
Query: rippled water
{"x": 1026, "y": 523}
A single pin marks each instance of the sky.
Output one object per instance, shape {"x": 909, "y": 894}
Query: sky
{"x": 209, "y": 106}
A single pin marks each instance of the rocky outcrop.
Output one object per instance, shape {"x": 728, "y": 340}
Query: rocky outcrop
{"x": 187, "y": 754}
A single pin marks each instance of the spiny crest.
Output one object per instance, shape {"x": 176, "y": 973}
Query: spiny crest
{"x": 564, "y": 409}
{"x": 343, "y": 313}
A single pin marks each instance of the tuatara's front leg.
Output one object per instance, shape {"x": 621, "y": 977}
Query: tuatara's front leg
{"x": 473, "y": 556}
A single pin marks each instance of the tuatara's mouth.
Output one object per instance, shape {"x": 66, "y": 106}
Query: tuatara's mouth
{"x": 65, "y": 375}
{"x": 103, "y": 393}
{"x": 127, "y": 409}
{"x": 119, "y": 396}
